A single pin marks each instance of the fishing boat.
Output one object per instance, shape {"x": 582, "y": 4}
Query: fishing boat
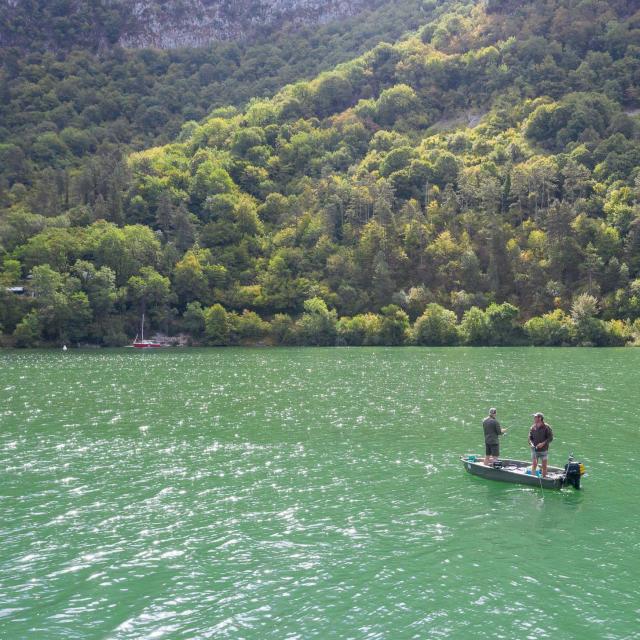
{"x": 141, "y": 343}
{"x": 519, "y": 471}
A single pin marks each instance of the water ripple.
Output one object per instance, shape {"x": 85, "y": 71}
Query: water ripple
{"x": 311, "y": 494}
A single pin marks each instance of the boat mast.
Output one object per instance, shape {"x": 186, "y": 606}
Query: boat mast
{"x": 142, "y": 328}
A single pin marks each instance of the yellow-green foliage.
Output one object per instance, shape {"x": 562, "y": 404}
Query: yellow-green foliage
{"x": 489, "y": 162}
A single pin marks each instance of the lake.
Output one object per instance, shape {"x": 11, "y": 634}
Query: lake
{"x": 314, "y": 493}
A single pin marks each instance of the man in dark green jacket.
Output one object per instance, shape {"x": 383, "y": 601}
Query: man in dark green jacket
{"x": 492, "y": 431}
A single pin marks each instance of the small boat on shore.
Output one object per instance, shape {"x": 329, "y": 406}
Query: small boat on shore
{"x": 519, "y": 471}
{"x": 146, "y": 344}
{"x": 141, "y": 343}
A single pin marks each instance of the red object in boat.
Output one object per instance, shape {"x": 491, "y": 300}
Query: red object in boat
{"x": 146, "y": 344}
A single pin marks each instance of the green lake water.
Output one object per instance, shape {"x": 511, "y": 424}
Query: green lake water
{"x": 313, "y": 493}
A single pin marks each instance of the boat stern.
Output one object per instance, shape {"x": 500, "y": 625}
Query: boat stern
{"x": 573, "y": 472}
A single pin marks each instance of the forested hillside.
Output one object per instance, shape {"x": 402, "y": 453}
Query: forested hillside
{"x": 476, "y": 182}
{"x": 59, "y": 107}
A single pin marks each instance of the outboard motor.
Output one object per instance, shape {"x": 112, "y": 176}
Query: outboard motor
{"x": 573, "y": 471}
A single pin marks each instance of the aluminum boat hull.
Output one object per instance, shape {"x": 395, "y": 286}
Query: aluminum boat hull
{"x": 514, "y": 471}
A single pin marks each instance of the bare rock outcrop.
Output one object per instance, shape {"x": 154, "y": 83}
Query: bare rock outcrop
{"x": 164, "y": 24}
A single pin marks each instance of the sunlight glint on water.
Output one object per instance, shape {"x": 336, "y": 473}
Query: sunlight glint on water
{"x": 313, "y": 493}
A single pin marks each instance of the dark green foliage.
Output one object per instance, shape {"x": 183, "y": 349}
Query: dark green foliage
{"x": 575, "y": 118}
{"x": 55, "y": 109}
{"x": 394, "y": 327}
{"x": 217, "y": 326}
{"x": 480, "y": 180}
{"x": 317, "y": 325}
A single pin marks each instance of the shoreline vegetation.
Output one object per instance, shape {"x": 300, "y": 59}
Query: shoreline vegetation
{"x": 497, "y": 325}
{"x": 474, "y": 182}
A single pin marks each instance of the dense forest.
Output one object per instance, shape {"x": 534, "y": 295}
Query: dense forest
{"x": 475, "y": 181}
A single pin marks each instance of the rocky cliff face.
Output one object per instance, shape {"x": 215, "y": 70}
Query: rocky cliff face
{"x": 156, "y": 23}
{"x": 194, "y": 23}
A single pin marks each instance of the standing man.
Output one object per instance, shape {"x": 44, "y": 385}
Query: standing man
{"x": 540, "y": 436}
{"x": 492, "y": 431}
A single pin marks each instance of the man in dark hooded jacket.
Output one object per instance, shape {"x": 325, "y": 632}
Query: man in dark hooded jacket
{"x": 492, "y": 431}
